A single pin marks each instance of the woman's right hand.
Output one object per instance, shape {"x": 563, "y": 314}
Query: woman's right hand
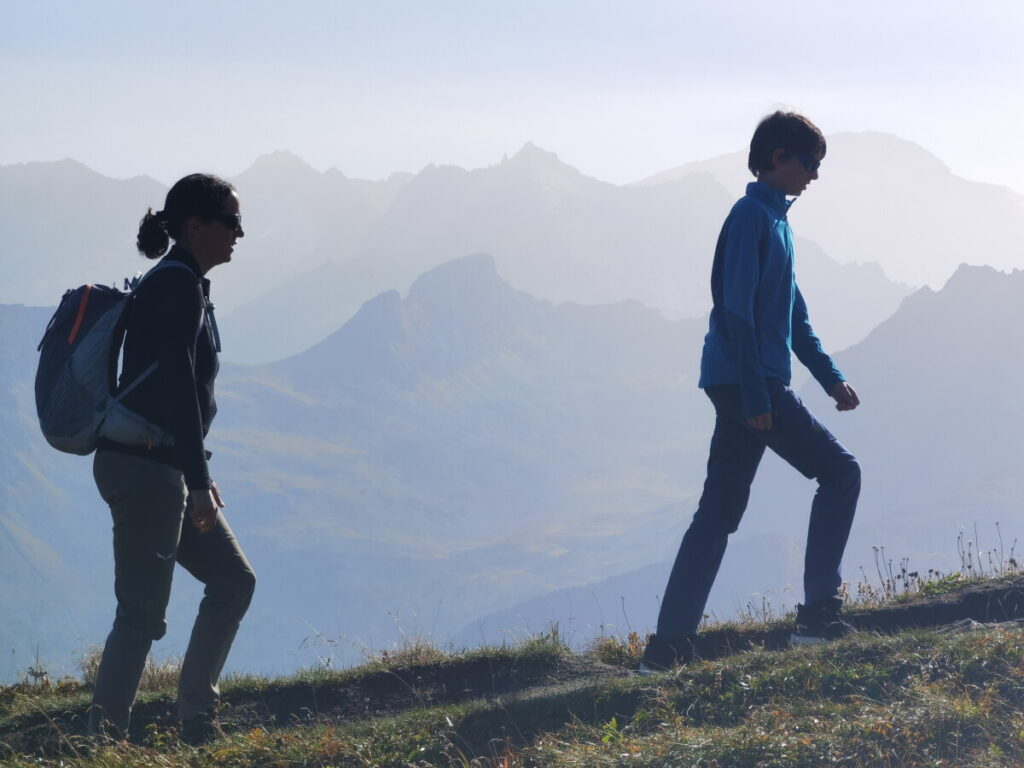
{"x": 204, "y": 509}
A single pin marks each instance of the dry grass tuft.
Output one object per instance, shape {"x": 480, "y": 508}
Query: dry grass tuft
{"x": 158, "y": 674}
{"x": 620, "y": 652}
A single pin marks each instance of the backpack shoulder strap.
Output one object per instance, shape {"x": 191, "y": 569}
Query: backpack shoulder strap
{"x": 133, "y": 285}
{"x": 163, "y": 264}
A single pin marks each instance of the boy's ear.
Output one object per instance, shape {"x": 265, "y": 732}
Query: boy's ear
{"x": 778, "y": 157}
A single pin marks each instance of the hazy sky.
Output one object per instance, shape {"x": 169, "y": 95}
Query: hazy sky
{"x": 620, "y": 90}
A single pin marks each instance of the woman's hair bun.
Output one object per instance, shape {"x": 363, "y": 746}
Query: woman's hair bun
{"x": 153, "y": 240}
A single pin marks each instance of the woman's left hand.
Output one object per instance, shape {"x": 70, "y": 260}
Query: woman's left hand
{"x": 204, "y": 509}
{"x": 215, "y": 489}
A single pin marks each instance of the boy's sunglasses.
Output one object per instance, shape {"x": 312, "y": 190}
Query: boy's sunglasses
{"x": 810, "y": 164}
{"x": 232, "y": 221}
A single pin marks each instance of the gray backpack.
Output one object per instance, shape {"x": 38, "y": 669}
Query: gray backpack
{"x": 76, "y": 380}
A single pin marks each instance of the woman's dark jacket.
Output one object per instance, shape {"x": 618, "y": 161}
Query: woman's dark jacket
{"x": 168, "y": 323}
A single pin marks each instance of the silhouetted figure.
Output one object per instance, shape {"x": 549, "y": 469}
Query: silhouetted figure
{"x": 758, "y": 319}
{"x": 165, "y": 507}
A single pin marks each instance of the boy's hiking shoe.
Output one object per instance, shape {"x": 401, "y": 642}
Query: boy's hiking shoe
{"x": 663, "y": 653}
{"x": 201, "y": 729}
{"x": 820, "y": 623}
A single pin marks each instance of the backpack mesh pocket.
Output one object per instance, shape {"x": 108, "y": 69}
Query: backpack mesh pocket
{"x": 68, "y": 411}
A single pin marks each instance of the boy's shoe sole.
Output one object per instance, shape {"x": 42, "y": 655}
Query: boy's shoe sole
{"x": 795, "y": 639}
{"x": 662, "y": 654}
{"x": 643, "y": 670}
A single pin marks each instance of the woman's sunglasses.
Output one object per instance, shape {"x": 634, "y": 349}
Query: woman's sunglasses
{"x": 232, "y": 221}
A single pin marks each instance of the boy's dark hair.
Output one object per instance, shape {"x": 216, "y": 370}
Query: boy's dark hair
{"x": 783, "y": 130}
{"x": 199, "y": 194}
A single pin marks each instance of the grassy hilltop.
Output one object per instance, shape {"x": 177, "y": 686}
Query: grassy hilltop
{"x": 950, "y": 694}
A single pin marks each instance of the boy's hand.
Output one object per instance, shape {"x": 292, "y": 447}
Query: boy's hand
{"x": 845, "y": 396}
{"x": 761, "y": 421}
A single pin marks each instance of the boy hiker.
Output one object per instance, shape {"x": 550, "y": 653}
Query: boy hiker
{"x": 758, "y": 317}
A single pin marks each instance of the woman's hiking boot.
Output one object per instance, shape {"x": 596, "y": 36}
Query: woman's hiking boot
{"x": 663, "y": 653}
{"x": 821, "y": 622}
{"x": 201, "y": 729}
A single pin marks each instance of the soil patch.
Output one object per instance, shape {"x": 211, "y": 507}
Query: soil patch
{"x": 993, "y": 601}
{"x": 373, "y": 694}
{"x": 987, "y": 602}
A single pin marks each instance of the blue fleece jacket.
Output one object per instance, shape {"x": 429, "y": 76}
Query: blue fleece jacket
{"x": 758, "y": 315}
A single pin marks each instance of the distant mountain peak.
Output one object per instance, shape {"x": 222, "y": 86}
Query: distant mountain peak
{"x": 882, "y": 143}
{"x": 475, "y": 272}
{"x": 439, "y": 327}
{"x": 534, "y": 162}
{"x": 532, "y": 157}
{"x": 972, "y": 278}
{"x": 66, "y": 167}
{"x": 281, "y": 161}
{"x": 530, "y": 152}
{"x": 71, "y": 163}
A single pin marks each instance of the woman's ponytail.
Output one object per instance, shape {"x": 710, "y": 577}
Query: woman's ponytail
{"x": 153, "y": 239}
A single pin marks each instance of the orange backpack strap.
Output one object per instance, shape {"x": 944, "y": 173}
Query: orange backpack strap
{"x": 81, "y": 314}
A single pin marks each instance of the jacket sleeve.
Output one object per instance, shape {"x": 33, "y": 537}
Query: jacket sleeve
{"x": 740, "y": 278}
{"x": 180, "y": 313}
{"x": 807, "y": 347}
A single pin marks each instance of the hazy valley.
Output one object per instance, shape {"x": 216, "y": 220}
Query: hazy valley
{"x": 475, "y": 407}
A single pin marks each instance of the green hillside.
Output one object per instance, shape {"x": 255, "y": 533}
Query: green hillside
{"x": 946, "y": 695}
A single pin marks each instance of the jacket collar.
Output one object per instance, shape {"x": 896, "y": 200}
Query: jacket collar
{"x": 773, "y": 198}
{"x": 179, "y": 253}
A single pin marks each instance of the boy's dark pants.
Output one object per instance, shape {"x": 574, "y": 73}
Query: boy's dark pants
{"x": 152, "y": 530}
{"x": 736, "y": 451}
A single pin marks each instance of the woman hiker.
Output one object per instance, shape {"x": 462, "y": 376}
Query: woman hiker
{"x": 165, "y": 507}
